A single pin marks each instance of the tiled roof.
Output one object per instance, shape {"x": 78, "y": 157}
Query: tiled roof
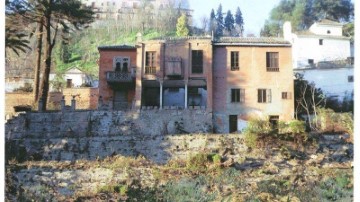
{"x": 261, "y": 41}
{"x": 312, "y": 35}
{"x": 179, "y": 38}
{"x": 328, "y": 22}
{"x": 116, "y": 47}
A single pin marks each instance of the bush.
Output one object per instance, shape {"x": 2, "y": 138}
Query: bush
{"x": 293, "y": 127}
{"x": 255, "y": 128}
{"x": 197, "y": 162}
{"x": 187, "y": 189}
{"x": 250, "y": 138}
{"x": 329, "y": 121}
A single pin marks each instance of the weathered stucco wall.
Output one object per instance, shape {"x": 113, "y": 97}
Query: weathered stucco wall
{"x": 98, "y": 134}
{"x": 86, "y": 98}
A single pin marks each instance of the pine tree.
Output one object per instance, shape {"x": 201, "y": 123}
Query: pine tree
{"x": 181, "y": 26}
{"x": 212, "y": 26}
{"x": 219, "y": 21}
{"x": 229, "y": 22}
{"x": 239, "y": 22}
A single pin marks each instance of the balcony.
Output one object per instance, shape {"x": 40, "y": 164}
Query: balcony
{"x": 119, "y": 77}
{"x": 173, "y": 67}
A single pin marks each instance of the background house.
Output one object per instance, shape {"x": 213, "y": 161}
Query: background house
{"x": 72, "y": 78}
{"x": 325, "y": 57}
{"x": 323, "y": 45}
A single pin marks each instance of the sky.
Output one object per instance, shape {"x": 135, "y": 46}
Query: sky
{"x": 255, "y": 12}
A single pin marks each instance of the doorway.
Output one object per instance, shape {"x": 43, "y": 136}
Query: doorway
{"x": 233, "y": 123}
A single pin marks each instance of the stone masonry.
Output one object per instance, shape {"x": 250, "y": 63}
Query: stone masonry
{"x": 75, "y": 135}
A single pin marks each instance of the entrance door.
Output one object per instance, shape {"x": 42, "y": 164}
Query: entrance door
{"x": 120, "y": 100}
{"x": 233, "y": 123}
{"x": 274, "y": 121}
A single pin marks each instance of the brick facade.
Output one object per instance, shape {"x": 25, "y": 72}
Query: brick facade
{"x": 251, "y": 76}
{"x": 197, "y": 72}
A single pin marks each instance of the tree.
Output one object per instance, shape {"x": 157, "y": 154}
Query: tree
{"x": 16, "y": 39}
{"x": 337, "y": 10}
{"x": 204, "y": 23}
{"x": 239, "y": 22}
{"x": 229, "y": 23}
{"x": 181, "y": 26}
{"x": 66, "y": 15}
{"x": 219, "y": 21}
{"x": 307, "y": 98}
{"x": 303, "y": 13}
{"x": 212, "y": 26}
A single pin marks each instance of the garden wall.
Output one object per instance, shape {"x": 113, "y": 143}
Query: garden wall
{"x": 98, "y": 134}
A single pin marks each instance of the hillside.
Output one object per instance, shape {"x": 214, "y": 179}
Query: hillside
{"x": 81, "y": 51}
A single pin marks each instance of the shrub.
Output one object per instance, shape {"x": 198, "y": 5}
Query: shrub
{"x": 259, "y": 126}
{"x": 250, "y": 138}
{"x": 216, "y": 158}
{"x": 187, "y": 189}
{"x": 293, "y": 127}
{"x": 328, "y": 120}
{"x": 197, "y": 162}
{"x": 256, "y": 127}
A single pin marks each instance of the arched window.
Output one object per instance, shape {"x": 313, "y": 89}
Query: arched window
{"x": 125, "y": 67}
{"x": 118, "y": 67}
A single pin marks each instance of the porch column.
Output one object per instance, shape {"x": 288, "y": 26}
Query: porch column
{"x": 186, "y": 93}
{"x": 161, "y": 93}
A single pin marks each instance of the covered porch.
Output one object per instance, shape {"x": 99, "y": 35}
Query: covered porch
{"x": 174, "y": 94}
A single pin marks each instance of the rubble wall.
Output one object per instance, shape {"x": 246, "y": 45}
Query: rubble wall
{"x": 98, "y": 134}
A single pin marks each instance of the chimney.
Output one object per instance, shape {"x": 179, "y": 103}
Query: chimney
{"x": 287, "y": 31}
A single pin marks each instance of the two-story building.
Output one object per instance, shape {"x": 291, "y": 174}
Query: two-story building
{"x": 325, "y": 57}
{"x": 252, "y": 77}
{"x": 232, "y": 78}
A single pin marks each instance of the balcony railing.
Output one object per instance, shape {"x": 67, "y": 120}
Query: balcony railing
{"x": 150, "y": 70}
{"x": 272, "y": 69}
{"x": 118, "y": 76}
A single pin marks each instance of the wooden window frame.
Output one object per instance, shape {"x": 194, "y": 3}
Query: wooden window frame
{"x": 234, "y": 60}
{"x": 150, "y": 67}
{"x": 285, "y": 95}
{"x": 264, "y": 95}
{"x": 197, "y": 62}
{"x": 237, "y": 95}
{"x": 272, "y": 61}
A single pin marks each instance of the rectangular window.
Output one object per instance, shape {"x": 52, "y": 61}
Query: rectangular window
{"x": 234, "y": 60}
{"x": 264, "y": 95}
{"x": 286, "y": 95}
{"x": 238, "y": 95}
{"x": 272, "y": 61}
{"x": 150, "y": 67}
{"x": 311, "y": 61}
{"x": 197, "y": 61}
{"x": 350, "y": 79}
{"x": 321, "y": 42}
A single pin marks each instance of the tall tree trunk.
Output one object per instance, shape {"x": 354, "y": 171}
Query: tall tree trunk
{"x": 38, "y": 63}
{"x": 48, "y": 50}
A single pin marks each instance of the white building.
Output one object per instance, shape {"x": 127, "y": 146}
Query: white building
{"x": 336, "y": 83}
{"x": 74, "y": 78}
{"x": 323, "y": 45}
{"x": 325, "y": 57}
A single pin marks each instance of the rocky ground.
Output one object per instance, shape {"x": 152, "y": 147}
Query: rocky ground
{"x": 319, "y": 169}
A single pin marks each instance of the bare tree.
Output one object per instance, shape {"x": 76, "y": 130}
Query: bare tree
{"x": 204, "y": 20}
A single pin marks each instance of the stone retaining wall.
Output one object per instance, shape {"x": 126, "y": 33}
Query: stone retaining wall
{"x": 98, "y": 134}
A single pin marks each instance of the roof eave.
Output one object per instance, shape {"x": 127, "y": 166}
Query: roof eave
{"x": 251, "y": 44}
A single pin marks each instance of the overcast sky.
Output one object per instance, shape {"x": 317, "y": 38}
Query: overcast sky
{"x": 255, "y": 12}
